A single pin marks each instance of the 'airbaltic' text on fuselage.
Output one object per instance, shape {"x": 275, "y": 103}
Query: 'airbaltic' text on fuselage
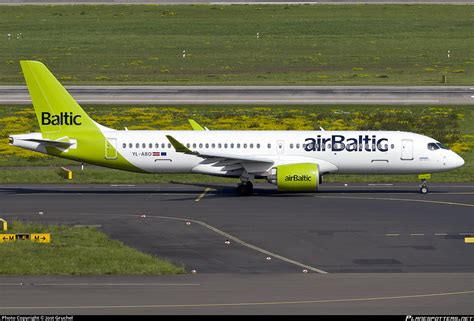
{"x": 64, "y": 118}
{"x": 339, "y": 143}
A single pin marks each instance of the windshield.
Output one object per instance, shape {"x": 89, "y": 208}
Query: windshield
{"x": 433, "y": 146}
{"x": 441, "y": 146}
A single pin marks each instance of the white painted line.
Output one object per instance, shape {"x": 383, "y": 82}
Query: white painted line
{"x": 417, "y": 234}
{"x": 237, "y": 101}
{"x": 115, "y": 284}
{"x": 392, "y": 234}
{"x": 466, "y": 233}
{"x": 380, "y": 184}
{"x": 202, "y": 194}
{"x": 234, "y": 304}
{"x": 258, "y": 249}
{"x": 263, "y": 3}
{"x": 252, "y": 101}
{"x": 397, "y": 200}
{"x": 441, "y": 234}
{"x": 243, "y": 243}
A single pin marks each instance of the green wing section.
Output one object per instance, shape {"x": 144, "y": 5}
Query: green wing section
{"x": 195, "y": 125}
{"x": 180, "y": 148}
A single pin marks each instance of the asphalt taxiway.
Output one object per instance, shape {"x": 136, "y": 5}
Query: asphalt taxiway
{"x": 377, "y": 248}
{"x": 149, "y": 95}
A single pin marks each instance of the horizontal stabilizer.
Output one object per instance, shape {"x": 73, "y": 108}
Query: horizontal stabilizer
{"x": 49, "y": 142}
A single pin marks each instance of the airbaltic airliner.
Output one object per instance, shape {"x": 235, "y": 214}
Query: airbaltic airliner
{"x": 294, "y": 161}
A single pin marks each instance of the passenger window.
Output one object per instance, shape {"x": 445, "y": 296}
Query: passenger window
{"x": 200, "y": 145}
{"x": 213, "y": 145}
{"x": 232, "y": 145}
{"x": 169, "y": 145}
{"x": 245, "y": 145}
{"x": 298, "y": 145}
{"x": 269, "y": 145}
{"x": 219, "y": 145}
{"x": 162, "y": 145}
{"x": 194, "y": 145}
{"x": 291, "y": 146}
{"x": 238, "y": 145}
{"x": 130, "y": 145}
{"x": 157, "y": 145}
{"x": 207, "y": 145}
{"x": 251, "y": 145}
{"x": 258, "y": 145}
{"x": 143, "y": 145}
{"x": 150, "y": 145}
{"x": 137, "y": 145}
{"x": 225, "y": 145}
{"x": 124, "y": 145}
{"x": 188, "y": 145}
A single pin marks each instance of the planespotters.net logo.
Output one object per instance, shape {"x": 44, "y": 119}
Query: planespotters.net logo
{"x": 438, "y": 318}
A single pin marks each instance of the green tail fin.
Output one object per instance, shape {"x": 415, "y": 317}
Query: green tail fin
{"x": 57, "y": 112}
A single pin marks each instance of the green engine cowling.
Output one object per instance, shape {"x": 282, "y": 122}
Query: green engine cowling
{"x": 303, "y": 177}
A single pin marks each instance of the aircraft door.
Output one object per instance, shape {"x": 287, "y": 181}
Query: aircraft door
{"x": 407, "y": 149}
{"x": 111, "y": 148}
{"x": 280, "y": 146}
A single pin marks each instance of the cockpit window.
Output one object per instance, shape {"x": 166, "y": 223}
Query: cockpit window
{"x": 433, "y": 146}
{"x": 441, "y": 146}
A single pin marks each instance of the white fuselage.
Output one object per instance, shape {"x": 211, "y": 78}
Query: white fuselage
{"x": 397, "y": 152}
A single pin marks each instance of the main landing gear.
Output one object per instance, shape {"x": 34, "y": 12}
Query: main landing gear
{"x": 245, "y": 188}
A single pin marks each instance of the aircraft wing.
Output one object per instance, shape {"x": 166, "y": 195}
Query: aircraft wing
{"x": 227, "y": 160}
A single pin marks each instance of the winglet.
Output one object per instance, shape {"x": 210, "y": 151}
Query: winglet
{"x": 195, "y": 125}
{"x": 180, "y": 148}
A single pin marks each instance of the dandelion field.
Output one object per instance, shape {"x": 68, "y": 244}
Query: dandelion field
{"x": 453, "y": 125}
{"x": 320, "y": 44}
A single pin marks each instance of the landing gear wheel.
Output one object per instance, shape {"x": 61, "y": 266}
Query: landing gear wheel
{"x": 245, "y": 188}
{"x": 423, "y": 187}
{"x": 424, "y": 190}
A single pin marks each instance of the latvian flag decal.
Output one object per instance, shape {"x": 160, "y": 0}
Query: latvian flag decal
{"x": 159, "y": 153}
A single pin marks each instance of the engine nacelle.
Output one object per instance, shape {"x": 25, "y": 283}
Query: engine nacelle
{"x": 303, "y": 177}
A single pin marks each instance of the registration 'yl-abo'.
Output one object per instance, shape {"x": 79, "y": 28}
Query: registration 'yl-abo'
{"x": 293, "y": 160}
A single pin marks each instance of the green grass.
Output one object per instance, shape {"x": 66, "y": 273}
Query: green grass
{"x": 323, "y": 44}
{"x": 76, "y": 250}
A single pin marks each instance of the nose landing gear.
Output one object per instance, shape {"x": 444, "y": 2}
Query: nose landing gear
{"x": 424, "y": 185}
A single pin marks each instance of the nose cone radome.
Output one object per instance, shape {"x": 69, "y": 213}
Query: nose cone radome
{"x": 457, "y": 161}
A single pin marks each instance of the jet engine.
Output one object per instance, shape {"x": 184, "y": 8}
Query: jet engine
{"x": 302, "y": 177}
